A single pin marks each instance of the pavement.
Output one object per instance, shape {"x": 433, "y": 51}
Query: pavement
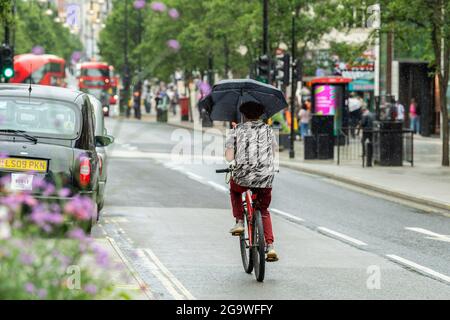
{"x": 426, "y": 183}
{"x": 169, "y": 220}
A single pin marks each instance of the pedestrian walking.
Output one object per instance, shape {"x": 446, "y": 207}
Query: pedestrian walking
{"x": 137, "y": 104}
{"x": 162, "y": 103}
{"x": 354, "y": 105}
{"x": 171, "y": 94}
{"x": 305, "y": 117}
{"x": 366, "y": 125}
{"x": 147, "y": 97}
{"x": 414, "y": 116}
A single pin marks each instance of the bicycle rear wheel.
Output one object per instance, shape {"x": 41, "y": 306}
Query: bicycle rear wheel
{"x": 246, "y": 250}
{"x": 259, "y": 247}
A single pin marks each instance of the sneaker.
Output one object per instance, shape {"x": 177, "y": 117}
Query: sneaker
{"x": 238, "y": 228}
{"x": 271, "y": 254}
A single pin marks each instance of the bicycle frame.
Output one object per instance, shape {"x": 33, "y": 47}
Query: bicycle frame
{"x": 248, "y": 205}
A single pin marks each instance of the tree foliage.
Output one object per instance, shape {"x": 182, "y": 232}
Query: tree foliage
{"x": 213, "y": 28}
{"x": 32, "y": 27}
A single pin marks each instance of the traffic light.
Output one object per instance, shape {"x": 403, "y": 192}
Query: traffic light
{"x": 7, "y": 61}
{"x": 282, "y": 69}
{"x": 264, "y": 68}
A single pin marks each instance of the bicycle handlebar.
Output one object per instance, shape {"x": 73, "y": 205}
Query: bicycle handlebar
{"x": 223, "y": 170}
{"x": 229, "y": 170}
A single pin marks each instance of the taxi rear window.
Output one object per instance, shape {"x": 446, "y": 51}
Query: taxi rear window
{"x": 41, "y": 118}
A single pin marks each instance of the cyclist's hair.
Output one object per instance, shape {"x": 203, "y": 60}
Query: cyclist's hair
{"x": 252, "y": 110}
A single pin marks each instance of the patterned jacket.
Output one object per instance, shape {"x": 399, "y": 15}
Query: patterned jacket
{"x": 254, "y": 146}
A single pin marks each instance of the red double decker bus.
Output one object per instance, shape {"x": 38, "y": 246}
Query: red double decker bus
{"x": 94, "y": 76}
{"x": 45, "y": 69}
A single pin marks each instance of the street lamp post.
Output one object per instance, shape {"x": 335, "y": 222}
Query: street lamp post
{"x": 126, "y": 68}
{"x": 293, "y": 85}
{"x": 139, "y": 6}
{"x": 266, "y": 35}
{"x": 265, "y": 27}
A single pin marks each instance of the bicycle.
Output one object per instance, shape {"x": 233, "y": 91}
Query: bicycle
{"x": 252, "y": 242}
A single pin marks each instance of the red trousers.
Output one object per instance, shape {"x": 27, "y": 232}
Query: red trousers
{"x": 263, "y": 199}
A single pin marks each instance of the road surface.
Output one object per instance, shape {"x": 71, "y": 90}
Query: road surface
{"x": 170, "y": 221}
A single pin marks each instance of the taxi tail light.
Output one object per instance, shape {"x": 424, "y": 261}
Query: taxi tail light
{"x": 85, "y": 171}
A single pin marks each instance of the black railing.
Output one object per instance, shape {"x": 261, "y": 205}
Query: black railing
{"x": 383, "y": 147}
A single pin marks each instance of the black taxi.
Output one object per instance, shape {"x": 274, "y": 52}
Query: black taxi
{"x": 48, "y": 134}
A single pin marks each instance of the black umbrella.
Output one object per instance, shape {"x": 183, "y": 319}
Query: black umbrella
{"x": 227, "y": 96}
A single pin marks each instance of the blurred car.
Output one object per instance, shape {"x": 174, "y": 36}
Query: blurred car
{"x": 101, "y": 134}
{"x": 49, "y": 134}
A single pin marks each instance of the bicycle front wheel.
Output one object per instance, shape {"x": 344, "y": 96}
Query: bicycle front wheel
{"x": 258, "y": 247}
{"x": 246, "y": 252}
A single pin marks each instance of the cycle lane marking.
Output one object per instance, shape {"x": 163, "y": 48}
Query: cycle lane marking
{"x": 218, "y": 186}
{"x": 168, "y": 274}
{"x": 142, "y": 284}
{"x": 419, "y": 268}
{"x": 341, "y": 236}
{"x": 286, "y": 215}
{"x": 153, "y": 268}
{"x": 431, "y": 235}
{"x": 143, "y": 260}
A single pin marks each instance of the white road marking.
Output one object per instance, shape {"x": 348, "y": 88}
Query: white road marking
{"x": 194, "y": 176}
{"x": 420, "y": 268}
{"x": 286, "y": 215}
{"x": 431, "y": 235}
{"x": 342, "y": 236}
{"x": 218, "y": 186}
{"x": 158, "y": 274}
{"x": 169, "y": 275}
{"x": 142, "y": 284}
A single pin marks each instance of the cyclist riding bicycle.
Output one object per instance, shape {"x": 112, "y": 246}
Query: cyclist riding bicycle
{"x": 250, "y": 148}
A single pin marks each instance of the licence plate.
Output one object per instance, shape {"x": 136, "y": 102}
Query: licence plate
{"x": 16, "y": 164}
{"x": 21, "y": 182}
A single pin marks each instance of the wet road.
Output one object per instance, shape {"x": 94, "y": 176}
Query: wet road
{"x": 170, "y": 220}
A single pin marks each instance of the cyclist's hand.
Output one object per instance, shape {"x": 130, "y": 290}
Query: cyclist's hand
{"x": 233, "y": 124}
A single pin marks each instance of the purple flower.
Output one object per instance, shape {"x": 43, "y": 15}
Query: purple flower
{"x": 205, "y": 88}
{"x": 91, "y": 289}
{"x": 15, "y": 201}
{"x": 29, "y": 287}
{"x": 139, "y": 4}
{"x": 76, "y": 56}
{"x": 64, "y": 193}
{"x": 39, "y": 182}
{"x": 38, "y": 50}
{"x": 82, "y": 208}
{"x": 49, "y": 190}
{"x": 173, "y": 44}
{"x": 77, "y": 234}
{"x": 42, "y": 293}
{"x": 27, "y": 259}
{"x": 174, "y": 14}
{"x": 5, "y": 180}
{"x": 55, "y": 218}
{"x": 101, "y": 255}
{"x": 158, "y": 6}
